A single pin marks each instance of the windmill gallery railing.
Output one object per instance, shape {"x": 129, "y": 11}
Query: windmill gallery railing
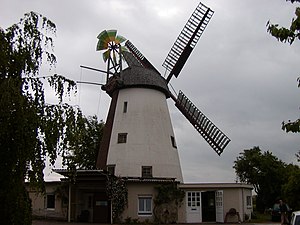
{"x": 210, "y": 132}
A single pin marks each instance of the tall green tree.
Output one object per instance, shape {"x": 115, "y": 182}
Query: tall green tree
{"x": 85, "y": 146}
{"x": 289, "y": 35}
{"x": 291, "y": 189}
{"x": 264, "y": 171}
{"x": 30, "y": 129}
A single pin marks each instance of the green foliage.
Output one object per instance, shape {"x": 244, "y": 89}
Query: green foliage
{"x": 31, "y": 129}
{"x": 62, "y": 192}
{"x": 117, "y": 192}
{"x": 169, "y": 197}
{"x": 291, "y": 126}
{"x": 18, "y": 207}
{"x": 257, "y": 217}
{"x": 129, "y": 220}
{"x": 289, "y": 35}
{"x": 168, "y": 193}
{"x": 291, "y": 188}
{"x": 272, "y": 179}
{"x": 286, "y": 34}
{"x": 83, "y": 150}
{"x": 264, "y": 171}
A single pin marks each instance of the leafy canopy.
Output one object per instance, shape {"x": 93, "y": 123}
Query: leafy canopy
{"x": 264, "y": 171}
{"x": 271, "y": 178}
{"x": 284, "y": 34}
{"x": 30, "y": 129}
{"x": 289, "y": 35}
{"x": 83, "y": 150}
{"x": 291, "y": 189}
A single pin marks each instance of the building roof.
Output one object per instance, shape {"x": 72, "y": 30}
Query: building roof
{"x": 83, "y": 174}
{"x": 150, "y": 179}
{"x": 66, "y": 172}
{"x": 214, "y": 185}
{"x": 102, "y": 174}
{"x": 137, "y": 76}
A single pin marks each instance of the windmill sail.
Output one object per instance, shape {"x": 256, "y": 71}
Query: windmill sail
{"x": 109, "y": 40}
{"x": 139, "y": 56}
{"x": 131, "y": 59}
{"x": 212, "y": 134}
{"x": 187, "y": 40}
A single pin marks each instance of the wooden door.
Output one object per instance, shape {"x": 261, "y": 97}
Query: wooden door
{"x": 101, "y": 208}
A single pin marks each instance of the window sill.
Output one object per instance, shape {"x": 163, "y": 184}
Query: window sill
{"x": 145, "y": 214}
{"x": 50, "y": 209}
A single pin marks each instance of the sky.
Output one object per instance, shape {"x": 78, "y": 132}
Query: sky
{"x": 239, "y": 76}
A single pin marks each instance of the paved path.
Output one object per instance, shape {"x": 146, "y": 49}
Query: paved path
{"x": 49, "y": 222}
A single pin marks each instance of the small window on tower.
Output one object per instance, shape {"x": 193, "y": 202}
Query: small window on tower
{"x": 146, "y": 171}
{"x": 111, "y": 169}
{"x": 173, "y": 142}
{"x": 122, "y": 137}
{"x": 125, "y": 107}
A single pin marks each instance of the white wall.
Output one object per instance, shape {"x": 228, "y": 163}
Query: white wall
{"x": 148, "y": 124}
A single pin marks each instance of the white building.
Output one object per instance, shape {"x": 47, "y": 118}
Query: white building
{"x": 87, "y": 200}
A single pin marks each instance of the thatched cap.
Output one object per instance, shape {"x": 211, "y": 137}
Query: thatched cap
{"x": 137, "y": 76}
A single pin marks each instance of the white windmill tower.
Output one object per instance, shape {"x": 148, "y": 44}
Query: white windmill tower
{"x": 138, "y": 139}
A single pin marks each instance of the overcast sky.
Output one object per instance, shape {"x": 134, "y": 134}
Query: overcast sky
{"x": 239, "y": 76}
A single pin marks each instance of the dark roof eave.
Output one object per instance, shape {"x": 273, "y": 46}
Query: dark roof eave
{"x": 66, "y": 173}
{"x": 150, "y": 179}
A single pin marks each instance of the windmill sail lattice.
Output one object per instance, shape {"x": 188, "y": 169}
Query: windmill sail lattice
{"x": 187, "y": 40}
{"x": 212, "y": 134}
{"x": 139, "y": 56}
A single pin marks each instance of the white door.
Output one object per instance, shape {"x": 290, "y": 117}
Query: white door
{"x": 219, "y": 207}
{"x": 193, "y": 199}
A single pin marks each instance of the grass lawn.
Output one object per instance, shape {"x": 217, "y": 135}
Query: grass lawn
{"x": 260, "y": 217}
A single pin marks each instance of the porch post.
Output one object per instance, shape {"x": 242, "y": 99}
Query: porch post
{"x": 111, "y": 213}
{"x": 69, "y": 208}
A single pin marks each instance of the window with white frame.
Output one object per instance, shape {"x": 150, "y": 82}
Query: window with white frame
{"x": 50, "y": 201}
{"x": 145, "y": 205}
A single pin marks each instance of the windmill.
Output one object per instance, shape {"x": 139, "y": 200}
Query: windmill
{"x": 138, "y": 114}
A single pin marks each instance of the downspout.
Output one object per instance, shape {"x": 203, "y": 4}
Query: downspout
{"x": 243, "y": 206}
{"x": 111, "y": 213}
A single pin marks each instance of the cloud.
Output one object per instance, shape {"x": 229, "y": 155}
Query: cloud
{"x": 238, "y": 75}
